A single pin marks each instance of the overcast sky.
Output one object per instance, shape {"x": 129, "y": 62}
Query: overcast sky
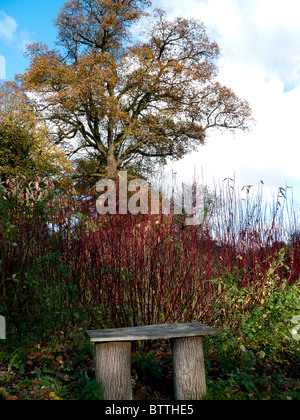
{"x": 260, "y": 60}
{"x": 260, "y": 43}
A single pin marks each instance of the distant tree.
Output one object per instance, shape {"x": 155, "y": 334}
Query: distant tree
{"x": 26, "y": 149}
{"x": 130, "y": 103}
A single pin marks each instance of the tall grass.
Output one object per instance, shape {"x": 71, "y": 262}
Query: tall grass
{"x": 62, "y": 264}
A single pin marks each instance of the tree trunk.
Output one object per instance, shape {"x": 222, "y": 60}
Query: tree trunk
{"x": 111, "y": 164}
{"x": 111, "y": 158}
{"x": 188, "y": 368}
{"x": 113, "y": 370}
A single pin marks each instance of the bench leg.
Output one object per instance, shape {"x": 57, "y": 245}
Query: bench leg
{"x": 188, "y": 368}
{"x": 113, "y": 370}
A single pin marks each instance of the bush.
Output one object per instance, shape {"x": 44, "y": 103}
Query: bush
{"x": 62, "y": 264}
{"x": 261, "y": 334}
{"x": 63, "y": 268}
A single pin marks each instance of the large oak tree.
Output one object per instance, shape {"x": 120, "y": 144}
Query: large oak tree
{"x": 129, "y": 103}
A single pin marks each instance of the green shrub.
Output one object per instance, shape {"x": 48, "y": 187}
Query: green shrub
{"x": 147, "y": 365}
{"x": 92, "y": 391}
{"x": 264, "y": 332}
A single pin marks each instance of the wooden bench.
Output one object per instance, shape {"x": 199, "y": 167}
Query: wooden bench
{"x": 113, "y": 358}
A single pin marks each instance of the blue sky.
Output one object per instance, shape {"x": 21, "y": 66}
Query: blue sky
{"x": 23, "y": 22}
{"x": 260, "y": 43}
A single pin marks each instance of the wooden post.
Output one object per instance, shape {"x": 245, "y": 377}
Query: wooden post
{"x": 188, "y": 368}
{"x": 113, "y": 370}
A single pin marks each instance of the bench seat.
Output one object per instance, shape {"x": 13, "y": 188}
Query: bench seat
{"x": 113, "y": 358}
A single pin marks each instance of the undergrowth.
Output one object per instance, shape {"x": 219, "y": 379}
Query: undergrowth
{"x": 64, "y": 270}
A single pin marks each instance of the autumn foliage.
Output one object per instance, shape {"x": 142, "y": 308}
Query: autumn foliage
{"x": 26, "y": 149}
{"x": 130, "y": 103}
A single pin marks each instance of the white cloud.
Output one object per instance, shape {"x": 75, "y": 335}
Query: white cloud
{"x": 24, "y": 38}
{"x": 8, "y": 26}
{"x": 261, "y": 32}
{"x": 276, "y": 14}
{"x": 269, "y": 152}
{"x": 261, "y": 62}
{"x": 10, "y": 33}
